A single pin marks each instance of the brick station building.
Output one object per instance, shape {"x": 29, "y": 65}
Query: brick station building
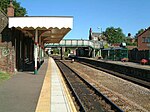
{"x": 22, "y": 39}
{"x": 15, "y": 46}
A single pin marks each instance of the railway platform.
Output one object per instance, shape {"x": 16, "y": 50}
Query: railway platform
{"x": 131, "y": 64}
{"x": 132, "y": 71}
{"x": 44, "y": 92}
{"x": 54, "y": 94}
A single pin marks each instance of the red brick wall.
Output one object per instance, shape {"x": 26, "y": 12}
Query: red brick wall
{"x": 7, "y": 57}
{"x": 143, "y": 45}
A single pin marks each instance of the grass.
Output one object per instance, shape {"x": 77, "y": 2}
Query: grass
{"x": 4, "y": 76}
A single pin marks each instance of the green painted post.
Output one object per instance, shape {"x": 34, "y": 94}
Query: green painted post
{"x": 35, "y": 51}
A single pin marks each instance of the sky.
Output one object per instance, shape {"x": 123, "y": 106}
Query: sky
{"x": 129, "y": 15}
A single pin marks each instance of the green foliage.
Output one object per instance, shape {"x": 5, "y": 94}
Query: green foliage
{"x": 4, "y": 76}
{"x": 67, "y": 51}
{"x": 131, "y": 41}
{"x": 131, "y": 44}
{"x": 55, "y": 51}
{"x": 114, "y": 35}
{"x": 106, "y": 45}
{"x": 139, "y": 32}
{"x": 19, "y": 10}
{"x": 4, "y": 4}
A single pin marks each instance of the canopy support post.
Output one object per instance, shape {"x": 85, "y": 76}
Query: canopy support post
{"x": 35, "y": 51}
{"x": 40, "y": 52}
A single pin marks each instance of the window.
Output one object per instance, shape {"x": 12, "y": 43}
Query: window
{"x": 148, "y": 39}
{"x": 143, "y": 39}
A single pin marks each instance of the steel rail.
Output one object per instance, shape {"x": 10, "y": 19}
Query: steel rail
{"x": 129, "y": 78}
{"x": 77, "y": 99}
{"x": 97, "y": 92}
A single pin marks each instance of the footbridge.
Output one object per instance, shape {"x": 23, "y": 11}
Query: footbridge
{"x": 76, "y": 43}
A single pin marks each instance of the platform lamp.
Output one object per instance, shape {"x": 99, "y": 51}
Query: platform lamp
{"x": 100, "y": 52}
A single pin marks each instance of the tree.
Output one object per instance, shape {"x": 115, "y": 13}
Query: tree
{"x": 139, "y": 32}
{"x": 19, "y": 10}
{"x": 114, "y": 35}
{"x": 4, "y": 5}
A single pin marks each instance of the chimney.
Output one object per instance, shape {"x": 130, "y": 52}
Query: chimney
{"x": 10, "y": 10}
{"x": 90, "y": 34}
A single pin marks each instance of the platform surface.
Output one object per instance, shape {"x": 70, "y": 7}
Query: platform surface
{"x": 43, "y": 92}
{"x": 131, "y": 64}
{"x": 54, "y": 96}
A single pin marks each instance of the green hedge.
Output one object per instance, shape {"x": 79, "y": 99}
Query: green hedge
{"x": 4, "y": 76}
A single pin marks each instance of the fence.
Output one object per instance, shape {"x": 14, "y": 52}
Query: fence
{"x": 135, "y": 55}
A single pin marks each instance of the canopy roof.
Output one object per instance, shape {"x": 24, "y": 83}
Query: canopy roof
{"x": 51, "y": 29}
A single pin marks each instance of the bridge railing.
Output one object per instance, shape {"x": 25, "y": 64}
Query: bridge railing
{"x": 77, "y": 43}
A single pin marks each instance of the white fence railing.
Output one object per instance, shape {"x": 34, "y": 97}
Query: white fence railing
{"x": 77, "y": 43}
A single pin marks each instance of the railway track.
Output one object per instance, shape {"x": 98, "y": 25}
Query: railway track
{"x": 88, "y": 98}
{"x": 129, "y": 78}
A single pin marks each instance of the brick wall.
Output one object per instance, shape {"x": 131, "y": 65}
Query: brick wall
{"x": 10, "y": 10}
{"x": 7, "y": 57}
{"x": 7, "y": 53}
{"x": 142, "y": 45}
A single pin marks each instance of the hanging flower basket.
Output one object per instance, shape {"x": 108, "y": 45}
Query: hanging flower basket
{"x": 144, "y": 61}
{"x": 124, "y": 59}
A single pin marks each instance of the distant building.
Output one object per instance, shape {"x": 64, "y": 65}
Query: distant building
{"x": 96, "y": 36}
{"x": 130, "y": 39}
{"x": 144, "y": 40}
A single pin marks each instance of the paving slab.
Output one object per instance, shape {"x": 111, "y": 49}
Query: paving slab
{"x": 21, "y": 92}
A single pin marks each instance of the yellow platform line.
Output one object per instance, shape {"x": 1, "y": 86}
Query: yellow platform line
{"x": 44, "y": 99}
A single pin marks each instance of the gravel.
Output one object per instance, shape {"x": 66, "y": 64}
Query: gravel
{"x": 127, "y": 95}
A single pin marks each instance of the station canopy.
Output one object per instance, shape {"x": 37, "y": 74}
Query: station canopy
{"x": 51, "y": 29}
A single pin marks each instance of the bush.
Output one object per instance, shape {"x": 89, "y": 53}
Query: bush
{"x": 4, "y": 76}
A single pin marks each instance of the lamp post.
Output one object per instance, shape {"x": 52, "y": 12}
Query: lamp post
{"x": 100, "y": 51}
{"x": 100, "y": 29}
{"x": 100, "y": 32}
